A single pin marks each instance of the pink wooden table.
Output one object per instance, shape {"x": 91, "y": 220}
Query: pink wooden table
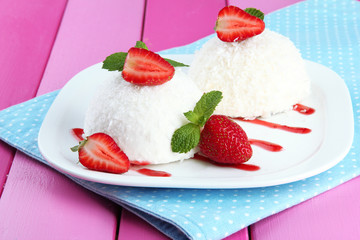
{"x": 43, "y": 43}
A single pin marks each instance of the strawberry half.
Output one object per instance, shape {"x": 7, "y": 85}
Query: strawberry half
{"x": 234, "y": 24}
{"x": 101, "y": 153}
{"x": 224, "y": 141}
{"x": 143, "y": 67}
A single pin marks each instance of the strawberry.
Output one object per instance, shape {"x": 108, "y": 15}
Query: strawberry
{"x": 224, "y": 141}
{"x": 234, "y": 24}
{"x": 101, "y": 153}
{"x": 143, "y": 67}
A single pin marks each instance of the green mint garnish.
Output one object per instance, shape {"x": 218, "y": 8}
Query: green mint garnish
{"x": 188, "y": 136}
{"x": 185, "y": 138}
{"x": 255, "y": 12}
{"x": 116, "y": 61}
{"x": 175, "y": 63}
{"x": 204, "y": 108}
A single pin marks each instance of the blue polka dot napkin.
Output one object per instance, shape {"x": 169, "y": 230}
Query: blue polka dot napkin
{"x": 327, "y": 32}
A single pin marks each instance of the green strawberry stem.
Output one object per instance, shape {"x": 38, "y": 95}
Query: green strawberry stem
{"x": 77, "y": 147}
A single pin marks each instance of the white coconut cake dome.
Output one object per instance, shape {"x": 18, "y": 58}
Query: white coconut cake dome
{"x": 260, "y": 76}
{"x": 142, "y": 119}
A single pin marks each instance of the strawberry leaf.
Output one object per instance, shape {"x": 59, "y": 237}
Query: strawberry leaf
{"x": 140, "y": 44}
{"x": 185, "y": 138}
{"x": 175, "y": 63}
{"x": 255, "y": 12}
{"x": 115, "y": 62}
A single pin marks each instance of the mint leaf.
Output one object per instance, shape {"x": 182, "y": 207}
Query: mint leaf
{"x": 185, "y": 138}
{"x": 175, "y": 63}
{"x": 255, "y": 12}
{"x": 192, "y": 117}
{"x": 140, "y": 44}
{"x": 204, "y": 108}
{"x": 115, "y": 62}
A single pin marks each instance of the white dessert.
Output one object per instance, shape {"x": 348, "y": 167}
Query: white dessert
{"x": 142, "y": 119}
{"x": 258, "y": 77}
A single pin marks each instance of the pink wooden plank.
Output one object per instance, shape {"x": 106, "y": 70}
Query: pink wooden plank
{"x": 7, "y": 155}
{"x": 37, "y": 203}
{"x": 90, "y": 30}
{"x": 264, "y": 6}
{"x": 331, "y": 215}
{"x": 174, "y": 23}
{"x": 27, "y": 34}
{"x": 28, "y": 30}
{"x": 240, "y": 235}
{"x": 134, "y": 228}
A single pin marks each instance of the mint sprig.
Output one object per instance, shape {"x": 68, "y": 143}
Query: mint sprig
{"x": 204, "y": 108}
{"x": 255, "y": 12}
{"x": 187, "y": 137}
{"x": 116, "y": 61}
{"x": 175, "y": 63}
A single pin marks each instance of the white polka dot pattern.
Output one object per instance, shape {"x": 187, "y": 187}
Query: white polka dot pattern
{"x": 327, "y": 32}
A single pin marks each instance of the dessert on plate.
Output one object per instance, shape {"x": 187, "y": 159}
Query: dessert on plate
{"x": 140, "y": 116}
{"x": 259, "y": 72}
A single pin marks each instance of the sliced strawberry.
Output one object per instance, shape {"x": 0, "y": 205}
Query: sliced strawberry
{"x": 224, "y": 141}
{"x": 143, "y": 67}
{"x": 233, "y": 24}
{"x": 101, "y": 153}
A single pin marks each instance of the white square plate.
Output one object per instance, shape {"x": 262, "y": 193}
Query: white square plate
{"x": 304, "y": 155}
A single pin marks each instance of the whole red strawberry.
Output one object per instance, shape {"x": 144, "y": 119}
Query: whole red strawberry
{"x": 101, "y": 153}
{"x": 234, "y": 24}
{"x": 224, "y": 141}
{"x": 144, "y": 67}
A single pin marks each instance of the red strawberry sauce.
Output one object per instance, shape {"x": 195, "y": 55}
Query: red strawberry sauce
{"x": 242, "y": 166}
{"x": 300, "y": 130}
{"x": 141, "y": 163}
{"x": 297, "y": 107}
{"x": 78, "y": 133}
{"x": 303, "y": 109}
{"x": 273, "y": 147}
{"x": 147, "y": 171}
{"x": 153, "y": 173}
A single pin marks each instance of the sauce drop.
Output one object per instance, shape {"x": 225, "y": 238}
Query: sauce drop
{"x": 78, "y": 133}
{"x": 241, "y": 166}
{"x": 153, "y": 173}
{"x": 140, "y": 163}
{"x": 299, "y": 130}
{"x": 303, "y": 109}
{"x": 273, "y": 147}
